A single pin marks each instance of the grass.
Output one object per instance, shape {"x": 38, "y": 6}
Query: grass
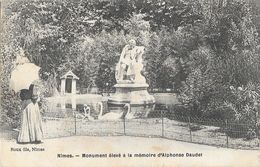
{"x": 150, "y": 127}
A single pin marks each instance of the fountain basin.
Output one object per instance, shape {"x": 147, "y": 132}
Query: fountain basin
{"x": 135, "y": 94}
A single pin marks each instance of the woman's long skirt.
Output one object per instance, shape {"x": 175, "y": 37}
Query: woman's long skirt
{"x": 31, "y": 125}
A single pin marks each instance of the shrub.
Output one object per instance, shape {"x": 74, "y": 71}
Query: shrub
{"x": 10, "y": 109}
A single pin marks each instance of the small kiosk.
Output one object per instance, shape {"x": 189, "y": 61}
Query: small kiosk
{"x": 68, "y": 83}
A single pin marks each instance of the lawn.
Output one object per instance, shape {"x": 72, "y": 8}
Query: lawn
{"x": 150, "y": 127}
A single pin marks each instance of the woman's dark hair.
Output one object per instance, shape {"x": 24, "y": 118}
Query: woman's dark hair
{"x": 25, "y": 94}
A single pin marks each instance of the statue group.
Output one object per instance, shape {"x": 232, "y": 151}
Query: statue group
{"x": 131, "y": 87}
{"x": 130, "y": 65}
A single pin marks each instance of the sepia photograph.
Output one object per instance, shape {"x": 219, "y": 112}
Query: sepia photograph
{"x": 162, "y": 83}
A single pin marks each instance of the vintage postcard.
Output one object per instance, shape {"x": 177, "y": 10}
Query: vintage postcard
{"x": 130, "y": 83}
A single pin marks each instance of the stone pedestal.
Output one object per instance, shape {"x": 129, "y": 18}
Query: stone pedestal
{"x": 133, "y": 93}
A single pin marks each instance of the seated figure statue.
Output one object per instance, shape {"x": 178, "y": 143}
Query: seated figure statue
{"x": 130, "y": 65}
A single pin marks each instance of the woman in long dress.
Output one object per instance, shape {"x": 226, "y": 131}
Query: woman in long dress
{"x": 31, "y": 126}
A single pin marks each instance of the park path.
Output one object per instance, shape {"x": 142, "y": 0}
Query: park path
{"x": 211, "y": 156}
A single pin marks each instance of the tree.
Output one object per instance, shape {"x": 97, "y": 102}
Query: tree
{"x": 227, "y": 57}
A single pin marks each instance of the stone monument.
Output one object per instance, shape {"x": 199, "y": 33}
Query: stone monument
{"x": 131, "y": 85}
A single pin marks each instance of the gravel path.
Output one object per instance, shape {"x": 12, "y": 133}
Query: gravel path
{"x": 78, "y": 145}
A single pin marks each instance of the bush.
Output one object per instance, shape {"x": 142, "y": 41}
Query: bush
{"x": 10, "y": 109}
{"x": 236, "y": 130}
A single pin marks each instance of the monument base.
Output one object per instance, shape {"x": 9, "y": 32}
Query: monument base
{"x": 133, "y": 93}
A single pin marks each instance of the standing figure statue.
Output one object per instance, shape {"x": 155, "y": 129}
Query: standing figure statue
{"x": 130, "y": 65}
